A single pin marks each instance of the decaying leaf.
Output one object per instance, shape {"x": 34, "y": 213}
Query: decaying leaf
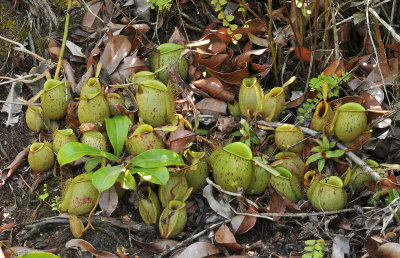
{"x": 220, "y": 207}
{"x": 86, "y": 246}
{"x": 214, "y": 88}
{"x": 115, "y": 51}
{"x": 241, "y": 224}
{"x": 158, "y": 246}
{"x": 108, "y": 201}
{"x": 199, "y": 249}
{"x": 225, "y": 237}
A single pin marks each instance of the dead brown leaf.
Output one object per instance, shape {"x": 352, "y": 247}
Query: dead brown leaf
{"x": 130, "y": 64}
{"x": 72, "y": 115}
{"x": 86, "y": 246}
{"x": 214, "y": 88}
{"x": 198, "y": 249}
{"x": 276, "y": 204}
{"x": 370, "y": 103}
{"x": 372, "y": 247}
{"x": 17, "y": 162}
{"x": 7, "y": 226}
{"x": 115, "y": 51}
{"x": 225, "y": 237}
{"x": 389, "y": 72}
{"x": 108, "y": 201}
{"x": 89, "y": 21}
{"x": 157, "y": 247}
{"x": 179, "y": 138}
{"x": 241, "y": 224}
{"x": 177, "y": 37}
{"x": 209, "y": 106}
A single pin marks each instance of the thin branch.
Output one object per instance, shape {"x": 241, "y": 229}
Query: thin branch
{"x": 21, "y": 48}
{"x": 385, "y": 24}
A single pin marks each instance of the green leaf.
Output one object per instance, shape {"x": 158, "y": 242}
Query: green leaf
{"x": 237, "y": 36}
{"x": 105, "y": 177}
{"x": 268, "y": 168}
{"x": 92, "y": 163}
{"x": 307, "y": 255}
{"x": 233, "y": 27}
{"x": 237, "y": 133}
{"x": 255, "y": 140}
{"x": 117, "y": 130}
{"x": 157, "y": 175}
{"x": 38, "y": 255}
{"x": 314, "y": 158}
{"x": 223, "y": 2}
{"x": 310, "y": 242}
{"x": 325, "y": 143}
{"x": 309, "y": 248}
{"x": 157, "y": 158}
{"x": 127, "y": 181}
{"x": 334, "y": 154}
{"x": 221, "y": 15}
{"x": 75, "y": 150}
{"x": 230, "y": 18}
{"x": 321, "y": 164}
{"x": 218, "y": 8}
{"x": 316, "y": 149}
{"x": 244, "y": 132}
{"x": 225, "y": 23}
{"x": 302, "y": 110}
{"x": 332, "y": 144}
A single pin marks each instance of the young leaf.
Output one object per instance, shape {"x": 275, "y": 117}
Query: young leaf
{"x": 270, "y": 169}
{"x": 334, "y": 154}
{"x": 230, "y": 18}
{"x": 92, "y": 163}
{"x": 157, "y": 175}
{"x": 314, "y": 158}
{"x": 310, "y": 242}
{"x": 237, "y": 133}
{"x": 127, "y": 181}
{"x": 75, "y": 150}
{"x": 105, "y": 177}
{"x": 316, "y": 149}
{"x": 117, "y": 130}
{"x": 321, "y": 164}
{"x": 157, "y": 158}
{"x": 325, "y": 142}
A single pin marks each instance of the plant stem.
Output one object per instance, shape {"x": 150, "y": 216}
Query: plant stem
{"x": 64, "y": 42}
{"x": 271, "y": 43}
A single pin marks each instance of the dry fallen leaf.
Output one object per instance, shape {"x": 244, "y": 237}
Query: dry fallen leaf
{"x": 241, "y": 224}
{"x": 86, "y": 246}
{"x": 209, "y": 106}
{"x": 157, "y": 247}
{"x": 220, "y": 207}
{"x": 179, "y": 138}
{"x": 115, "y": 51}
{"x": 225, "y": 237}
{"x": 108, "y": 201}
{"x": 198, "y": 250}
{"x": 214, "y": 88}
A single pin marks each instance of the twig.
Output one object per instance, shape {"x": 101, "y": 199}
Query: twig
{"x": 188, "y": 240}
{"x": 22, "y": 79}
{"x": 219, "y": 188}
{"x": 21, "y": 48}
{"x": 387, "y": 26}
{"x": 302, "y": 215}
{"x": 335, "y": 33}
{"x": 376, "y": 53}
{"x": 87, "y": 8}
{"x": 19, "y": 103}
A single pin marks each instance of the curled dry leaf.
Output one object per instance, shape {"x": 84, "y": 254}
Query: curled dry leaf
{"x": 389, "y": 250}
{"x": 198, "y": 250}
{"x": 115, "y": 51}
{"x": 241, "y": 223}
{"x": 90, "y": 21}
{"x": 276, "y": 204}
{"x": 209, "y": 106}
{"x": 86, "y": 246}
{"x": 235, "y": 77}
{"x": 88, "y": 127}
{"x": 177, "y": 37}
{"x": 225, "y": 237}
{"x": 72, "y": 115}
{"x": 226, "y": 124}
{"x": 131, "y": 64}
{"x": 389, "y": 72}
{"x": 214, "y": 88}
{"x": 76, "y": 226}
{"x": 7, "y": 226}
{"x": 20, "y": 250}
{"x": 220, "y": 207}
{"x": 371, "y": 246}
{"x": 18, "y": 160}
{"x": 179, "y": 138}
{"x": 370, "y": 103}
{"x": 108, "y": 201}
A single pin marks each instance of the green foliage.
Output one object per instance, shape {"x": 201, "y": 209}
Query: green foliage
{"x": 315, "y": 84}
{"x": 150, "y": 165}
{"x": 248, "y": 135}
{"x": 323, "y": 152}
{"x": 227, "y": 19}
{"x": 389, "y": 194}
{"x": 160, "y": 4}
{"x": 55, "y": 203}
{"x": 315, "y": 248}
{"x": 333, "y": 81}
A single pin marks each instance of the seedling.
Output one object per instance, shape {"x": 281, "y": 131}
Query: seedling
{"x": 315, "y": 248}
{"x": 248, "y": 135}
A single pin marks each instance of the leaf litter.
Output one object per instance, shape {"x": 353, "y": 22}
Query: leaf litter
{"x": 110, "y": 34}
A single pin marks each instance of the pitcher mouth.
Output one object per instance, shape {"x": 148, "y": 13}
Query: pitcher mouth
{"x": 249, "y": 82}
{"x": 322, "y": 109}
{"x": 333, "y": 181}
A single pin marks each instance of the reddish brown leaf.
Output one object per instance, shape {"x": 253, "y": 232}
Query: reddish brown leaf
{"x": 214, "y": 87}
{"x": 241, "y": 224}
{"x": 334, "y": 103}
{"x": 18, "y": 160}
{"x": 372, "y": 247}
{"x": 7, "y": 226}
{"x": 115, "y": 51}
{"x": 214, "y": 62}
{"x": 86, "y": 246}
{"x": 302, "y": 53}
{"x": 198, "y": 249}
{"x": 88, "y": 127}
{"x": 370, "y": 103}
{"x": 70, "y": 73}
{"x": 276, "y": 204}
{"x": 389, "y": 72}
{"x": 331, "y": 68}
{"x": 179, "y": 138}
{"x": 295, "y": 103}
{"x": 225, "y": 237}
{"x": 209, "y": 106}
{"x": 345, "y": 224}
{"x": 72, "y": 115}
{"x": 235, "y": 77}
{"x": 226, "y": 124}
{"x": 177, "y": 37}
